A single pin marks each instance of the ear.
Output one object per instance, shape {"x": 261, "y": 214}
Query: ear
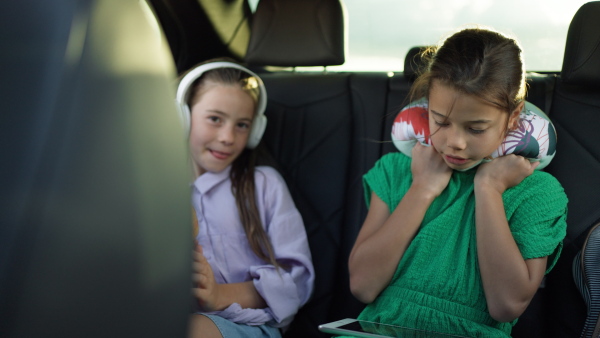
{"x": 513, "y": 118}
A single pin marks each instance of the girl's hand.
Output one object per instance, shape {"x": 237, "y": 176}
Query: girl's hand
{"x": 504, "y": 172}
{"x": 429, "y": 170}
{"x": 206, "y": 289}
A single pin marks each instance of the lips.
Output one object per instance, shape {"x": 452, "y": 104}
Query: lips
{"x": 456, "y": 160}
{"x": 219, "y": 155}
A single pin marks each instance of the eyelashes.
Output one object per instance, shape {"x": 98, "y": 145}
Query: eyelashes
{"x": 471, "y": 130}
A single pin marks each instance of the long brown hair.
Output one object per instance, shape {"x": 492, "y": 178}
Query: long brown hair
{"x": 479, "y": 62}
{"x": 242, "y": 168}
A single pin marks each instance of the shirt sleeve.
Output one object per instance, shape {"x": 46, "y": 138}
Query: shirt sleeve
{"x": 537, "y": 217}
{"x": 286, "y": 289}
{"x": 237, "y": 314}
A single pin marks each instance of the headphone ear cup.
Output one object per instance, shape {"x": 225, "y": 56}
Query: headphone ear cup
{"x": 258, "y": 129}
{"x": 185, "y": 116}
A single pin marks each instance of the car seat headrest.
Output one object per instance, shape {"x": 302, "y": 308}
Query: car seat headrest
{"x": 581, "y": 64}
{"x": 290, "y": 33}
{"x": 414, "y": 63}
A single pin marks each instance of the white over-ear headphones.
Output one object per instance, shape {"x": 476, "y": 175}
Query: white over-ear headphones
{"x": 259, "y": 123}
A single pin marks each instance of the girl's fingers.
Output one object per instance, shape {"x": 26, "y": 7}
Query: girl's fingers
{"x": 199, "y": 280}
{"x": 199, "y": 257}
{"x": 201, "y": 268}
{"x": 200, "y": 294}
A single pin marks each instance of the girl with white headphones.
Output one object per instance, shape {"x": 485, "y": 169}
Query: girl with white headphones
{"x": 252, "y": 264}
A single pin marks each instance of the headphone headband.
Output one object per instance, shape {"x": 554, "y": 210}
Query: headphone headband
{"x": 259, "y": 121}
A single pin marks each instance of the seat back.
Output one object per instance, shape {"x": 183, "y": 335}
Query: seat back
{"x": 317, "y": 132}
{"x": 95, "y": 235}
{"x": 575, "y": 112}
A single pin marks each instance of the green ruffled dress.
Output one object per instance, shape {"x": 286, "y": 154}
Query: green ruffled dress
{"x": 437, "y": 285}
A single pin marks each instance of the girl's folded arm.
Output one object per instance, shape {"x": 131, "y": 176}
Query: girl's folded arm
{"x": 509, "y": 281}
{"x": 243, "y": 293}
{"x": 287, "y": 288}
{"x": 382, "y": 241}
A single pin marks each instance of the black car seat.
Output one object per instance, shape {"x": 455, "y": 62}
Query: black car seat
{"x": 575, "y": 112}
{"x": 95, "y": 229}
{"x": 196, "y": 30}
{"x": 319, "y": 128}
{"x": 399, "y": 87}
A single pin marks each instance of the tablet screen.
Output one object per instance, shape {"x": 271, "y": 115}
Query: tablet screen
{"x": 389, "y": 330}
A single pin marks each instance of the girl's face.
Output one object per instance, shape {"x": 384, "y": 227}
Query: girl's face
{"x": 465, "y": 129}
{"x": 220, "y": 125}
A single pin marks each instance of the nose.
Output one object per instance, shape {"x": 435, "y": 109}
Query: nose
{"x": 455, "y": 139}
{"x": 227, "y": 135}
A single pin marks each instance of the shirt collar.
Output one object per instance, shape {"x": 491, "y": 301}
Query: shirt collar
{"x": 208, "y": 180}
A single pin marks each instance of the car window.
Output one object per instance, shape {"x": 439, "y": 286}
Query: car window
{"x": 380, "y": 32}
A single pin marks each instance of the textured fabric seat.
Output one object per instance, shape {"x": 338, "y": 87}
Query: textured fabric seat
{"x": 576, "y": 115}
{"x": 586, "y": 272}
{"x": 317, "y": 132}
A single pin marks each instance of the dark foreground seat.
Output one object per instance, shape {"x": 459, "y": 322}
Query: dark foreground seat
{"x": 94, "y": 213}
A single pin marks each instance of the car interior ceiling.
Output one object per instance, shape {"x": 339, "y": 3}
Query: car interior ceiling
{"x": 325, "y": 130}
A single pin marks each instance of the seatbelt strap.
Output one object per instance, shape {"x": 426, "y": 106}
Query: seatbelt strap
{"x": 550, "y": 81}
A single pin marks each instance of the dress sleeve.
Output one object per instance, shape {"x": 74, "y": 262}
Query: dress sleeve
{"x": 392, "y": 170}
{"x": 537, "y": 217}
{"x": 286, "y": 289}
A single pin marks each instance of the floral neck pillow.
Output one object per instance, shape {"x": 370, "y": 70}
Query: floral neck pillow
{"x": 534, "y": 138}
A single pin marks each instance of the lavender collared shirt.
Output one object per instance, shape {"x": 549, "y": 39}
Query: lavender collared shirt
{"x": 227, "y": 250}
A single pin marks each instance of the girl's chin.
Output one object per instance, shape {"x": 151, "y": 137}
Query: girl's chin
{"x": 466, "y": 166}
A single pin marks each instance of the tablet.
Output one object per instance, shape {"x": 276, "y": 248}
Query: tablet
{"x": 361, "y": 328}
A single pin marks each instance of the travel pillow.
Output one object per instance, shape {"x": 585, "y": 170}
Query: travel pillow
{"x": 534, "y": 138}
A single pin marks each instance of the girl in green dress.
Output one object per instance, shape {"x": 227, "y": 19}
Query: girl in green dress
{"x": 450, "y": 245}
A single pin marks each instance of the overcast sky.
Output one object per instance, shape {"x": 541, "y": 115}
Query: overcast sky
{"x": 380, "y": 32}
